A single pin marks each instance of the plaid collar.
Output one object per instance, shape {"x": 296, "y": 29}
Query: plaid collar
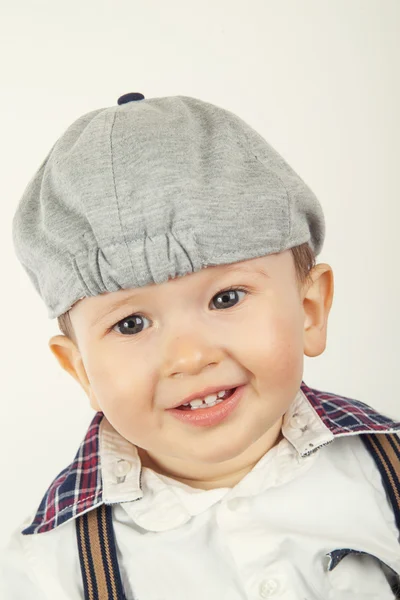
{"x": 79, "y": 487}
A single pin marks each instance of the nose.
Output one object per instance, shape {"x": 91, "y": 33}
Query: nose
{"x": 189, "y": 355}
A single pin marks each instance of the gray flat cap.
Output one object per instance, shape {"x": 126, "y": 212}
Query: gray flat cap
{"x": 154, "y": 189}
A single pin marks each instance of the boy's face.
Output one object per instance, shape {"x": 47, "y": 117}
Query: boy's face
{"x": 187, "y": 337}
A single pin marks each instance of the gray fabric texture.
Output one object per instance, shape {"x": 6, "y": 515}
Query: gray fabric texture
{"x": 154, "y": 189}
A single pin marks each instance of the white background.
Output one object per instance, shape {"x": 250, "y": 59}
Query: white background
{"x": 318, "y": 79}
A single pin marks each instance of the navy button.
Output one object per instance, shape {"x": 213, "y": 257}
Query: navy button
{"x": 130, "y": 97}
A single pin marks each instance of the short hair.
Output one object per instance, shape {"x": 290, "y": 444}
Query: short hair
{"x": 304, "y": 262}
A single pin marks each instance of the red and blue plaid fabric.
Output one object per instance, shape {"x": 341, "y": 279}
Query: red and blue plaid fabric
{"x": 78, "y": 488}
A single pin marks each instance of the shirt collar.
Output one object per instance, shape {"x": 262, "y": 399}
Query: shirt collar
{"x": 314, "y": 419}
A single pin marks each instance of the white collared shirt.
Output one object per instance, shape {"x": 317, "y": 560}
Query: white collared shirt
{"x": 267, "y": 537}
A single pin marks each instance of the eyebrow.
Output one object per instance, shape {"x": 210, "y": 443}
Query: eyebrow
{"x": 247, "y": 269}
{"x": 233, "y": 268}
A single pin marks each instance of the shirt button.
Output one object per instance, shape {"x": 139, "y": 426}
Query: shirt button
{"x": 268, "y": 588}
{"x": 122, "y": 468}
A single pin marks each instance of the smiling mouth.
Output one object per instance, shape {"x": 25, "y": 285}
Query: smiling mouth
{"x": 201, "y": 404}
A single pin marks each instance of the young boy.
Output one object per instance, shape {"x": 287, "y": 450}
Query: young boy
{"x": 210, "y": 469}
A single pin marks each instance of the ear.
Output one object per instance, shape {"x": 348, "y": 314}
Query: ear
{"x": 317, "y": 302}
{"x": 70, "y": 359}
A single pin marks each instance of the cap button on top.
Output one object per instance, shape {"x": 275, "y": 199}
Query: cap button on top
{"x": 131, "y": 97}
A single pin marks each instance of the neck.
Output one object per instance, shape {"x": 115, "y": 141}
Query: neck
{"x": 213, "y": 476}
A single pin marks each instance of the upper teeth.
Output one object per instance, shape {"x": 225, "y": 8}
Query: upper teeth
{"x": 208, "y": 399}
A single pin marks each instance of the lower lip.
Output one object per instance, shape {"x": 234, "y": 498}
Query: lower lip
{"x": 206, "y": 417}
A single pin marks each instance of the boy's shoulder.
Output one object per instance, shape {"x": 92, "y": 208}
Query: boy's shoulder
{"x": 78, "y": 489}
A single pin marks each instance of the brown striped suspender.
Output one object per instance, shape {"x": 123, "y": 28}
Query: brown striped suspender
{"x": 385, "y": 449}
{"x": 96, "y": 541}
{"x": 98, "y": 555}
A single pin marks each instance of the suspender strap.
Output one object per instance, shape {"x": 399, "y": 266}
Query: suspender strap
{"x": 385, "y": 449}
{"x": 98, "y": 555}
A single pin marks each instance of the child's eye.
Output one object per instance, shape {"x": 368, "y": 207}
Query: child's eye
{"x": 133, "y": 324}
{"x": 227, "y": 297}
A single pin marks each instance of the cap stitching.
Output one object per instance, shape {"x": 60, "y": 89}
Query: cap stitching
{"x": 115, "y": 188}
{"x": 250, "y": 152}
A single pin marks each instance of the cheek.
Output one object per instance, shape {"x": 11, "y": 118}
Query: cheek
{"x": 124, "y": 397}
{"x": 275, "y": 343}
{"x": 120, "y": 384}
